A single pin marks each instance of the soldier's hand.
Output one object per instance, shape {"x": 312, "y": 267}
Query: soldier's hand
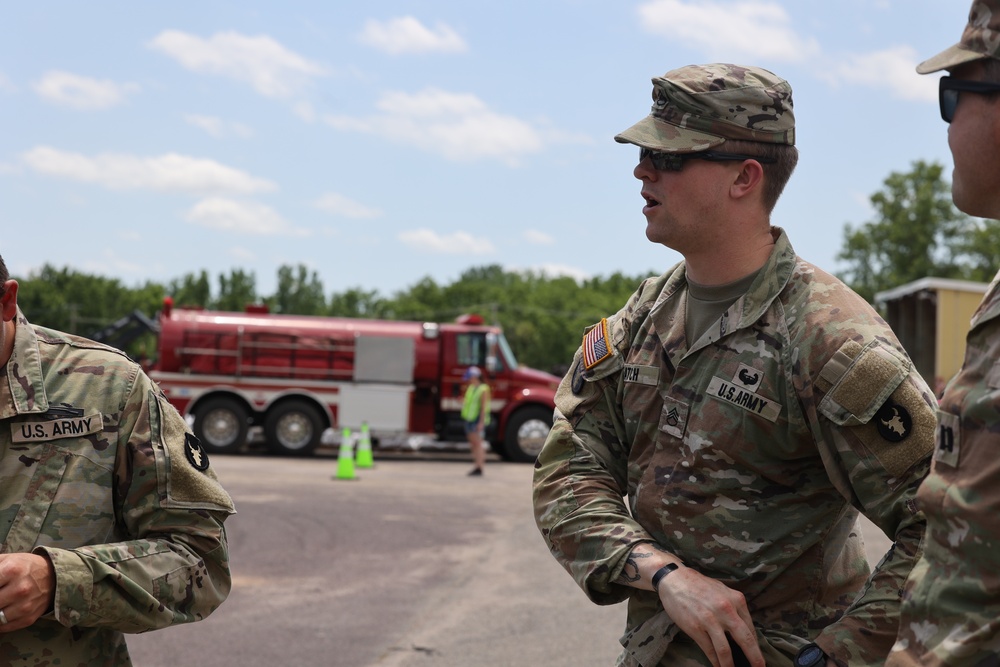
{"x": 27, "y": 589}
{"x": 705, "y": 610}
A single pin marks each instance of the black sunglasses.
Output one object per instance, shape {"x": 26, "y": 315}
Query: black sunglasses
{"x": 675, "y": 161}
{"x": 949, "y": 88}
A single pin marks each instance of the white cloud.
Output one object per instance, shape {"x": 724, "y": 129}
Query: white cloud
{"x": 538, "y": 238}
{"x": 337, "y": 204}
{"x": 747, "y": 28}
{"x": 406, "y": 34}
{"x": 247, "y": 217}
{"x": 459, "y": 243}
{"x": 165, "y": 173}
{"x": 459, "y": 126}
{"x": 892, "y": 68}
{"x": 218, "y": 127}
{"x": 269, "y": 67}
{"x": 80, "y": 92}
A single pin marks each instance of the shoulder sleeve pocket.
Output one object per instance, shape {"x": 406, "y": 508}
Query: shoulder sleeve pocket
{"x": 868, "y": 388}
{"x": 858, "y": 380}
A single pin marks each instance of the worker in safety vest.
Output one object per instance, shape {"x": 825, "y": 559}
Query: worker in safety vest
{"x": 476, "y": 416}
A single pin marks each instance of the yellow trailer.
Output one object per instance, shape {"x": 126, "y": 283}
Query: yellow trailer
{"x": 931, "y": 318}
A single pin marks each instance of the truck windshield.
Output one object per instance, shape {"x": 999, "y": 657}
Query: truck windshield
{"x": 505, "y": 352}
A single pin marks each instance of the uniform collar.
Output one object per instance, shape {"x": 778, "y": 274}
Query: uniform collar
{"x": 772, "y": 278}
{"x": 750, "y": 307}
{"x": 21, "y": 387}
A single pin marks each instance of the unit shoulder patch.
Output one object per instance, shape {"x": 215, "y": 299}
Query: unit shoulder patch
{"x": 195, "y": 453}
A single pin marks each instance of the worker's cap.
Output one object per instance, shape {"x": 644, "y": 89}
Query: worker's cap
{"x": 472, "y": 372}
{"x": 980, "y": 39}
{"x": 700, "y": 106}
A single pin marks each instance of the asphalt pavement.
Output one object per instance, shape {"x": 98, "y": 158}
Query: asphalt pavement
{"x": 409, "y": 564}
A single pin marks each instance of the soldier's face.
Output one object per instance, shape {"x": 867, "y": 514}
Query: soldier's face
{"x": 682, "y": 207}
{"x": 974, "y": 139}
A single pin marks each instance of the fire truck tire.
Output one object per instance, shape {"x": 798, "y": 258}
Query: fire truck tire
{"x": 221, "y": 425}
{"x": 293, "y": 428}
{"x": 526, "y": 433}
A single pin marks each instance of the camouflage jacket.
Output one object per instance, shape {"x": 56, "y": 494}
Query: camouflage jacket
{"x": 748, "y": 454}
{"x": 99, "y": 472}
{"x": 951, "y": 607}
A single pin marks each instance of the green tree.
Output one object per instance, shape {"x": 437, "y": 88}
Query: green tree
{"x": 85, "y": 304}
{"x": 300, "y": 292}
{"x": 979, "y": 250}
{"x": 236, "y": 290}
{"x": 192, "y": 290}
{"x": 357, "y": 302}
{"x": 917, "y": 232}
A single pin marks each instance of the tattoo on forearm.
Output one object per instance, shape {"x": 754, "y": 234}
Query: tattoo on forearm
{"x": 630, "y": 573}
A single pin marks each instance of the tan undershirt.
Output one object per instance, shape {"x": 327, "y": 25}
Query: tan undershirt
{"x": 707, "y": 303}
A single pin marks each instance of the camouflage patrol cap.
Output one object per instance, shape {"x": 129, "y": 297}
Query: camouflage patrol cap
{"x": 980, "y": 39}
{"x": 700, "y": 106}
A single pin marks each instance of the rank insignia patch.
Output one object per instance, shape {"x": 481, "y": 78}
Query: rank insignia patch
{"x": 893, "y": 422}
{"x": 596, "y": 347}
{"x": 195, "y": 453}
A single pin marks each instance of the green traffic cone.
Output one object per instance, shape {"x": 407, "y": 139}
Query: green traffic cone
{"x": 364, "y": 455}
{"x": 345, "y": 459}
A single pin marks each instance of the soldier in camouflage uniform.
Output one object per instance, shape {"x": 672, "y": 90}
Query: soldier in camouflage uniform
{"x": 951, "y": 607}
{"x": 747, "y": 406}
{"x": 110, "y": 518}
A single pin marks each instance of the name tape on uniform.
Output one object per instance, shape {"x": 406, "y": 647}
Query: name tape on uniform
{"x": 641, "y": 374}
{"x": 55, "y": 429}
{"x": 748, "y": 400}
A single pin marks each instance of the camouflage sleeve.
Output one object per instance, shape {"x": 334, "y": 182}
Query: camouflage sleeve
{"x": 581, "y": 474}
{"x": 579, "y": 482}
{"x": 878, "y": 422}
{"x": 172, "y": 563}
{"x": 951, "y": 608}
{"x": 952, "y": 599}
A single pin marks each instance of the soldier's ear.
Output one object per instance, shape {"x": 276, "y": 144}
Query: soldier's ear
{"x": 8, "y": 301}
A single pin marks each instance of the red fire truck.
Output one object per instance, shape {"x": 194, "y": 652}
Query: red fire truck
{"x": 296, "y": 376}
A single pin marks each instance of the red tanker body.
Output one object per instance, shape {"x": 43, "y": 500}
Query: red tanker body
{"x": 298, "y": 375}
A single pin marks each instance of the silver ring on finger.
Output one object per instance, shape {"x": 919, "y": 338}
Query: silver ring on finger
{"x": 3, "y": 618}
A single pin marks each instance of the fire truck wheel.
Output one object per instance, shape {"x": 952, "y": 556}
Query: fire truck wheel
{"x": 221, "y": 425}
{"x": 526, "y": 433}
{"x": 293, "y": 428}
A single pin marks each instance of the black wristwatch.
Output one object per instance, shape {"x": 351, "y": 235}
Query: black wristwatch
{"x": 810, "y": 655}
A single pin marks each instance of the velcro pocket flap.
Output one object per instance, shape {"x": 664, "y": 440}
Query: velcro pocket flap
{"x": 859, "y": 379}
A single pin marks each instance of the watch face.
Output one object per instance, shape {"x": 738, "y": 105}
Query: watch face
{"x": 811, "y": 655}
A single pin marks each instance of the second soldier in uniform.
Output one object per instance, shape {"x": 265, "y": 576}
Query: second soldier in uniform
{"x": 746, "y": 404}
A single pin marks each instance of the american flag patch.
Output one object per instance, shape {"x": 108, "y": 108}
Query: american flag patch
{"x": 595, "y": 345}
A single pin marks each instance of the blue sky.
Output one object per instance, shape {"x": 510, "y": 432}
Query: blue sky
{"x": 379, "y": 143}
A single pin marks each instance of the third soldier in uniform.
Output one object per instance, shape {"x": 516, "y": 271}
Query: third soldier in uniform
{"x": 951, "y": 609}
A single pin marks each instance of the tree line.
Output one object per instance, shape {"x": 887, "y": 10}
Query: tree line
{"x": 542, "y": 317}
{"x": 916, "y": 232}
